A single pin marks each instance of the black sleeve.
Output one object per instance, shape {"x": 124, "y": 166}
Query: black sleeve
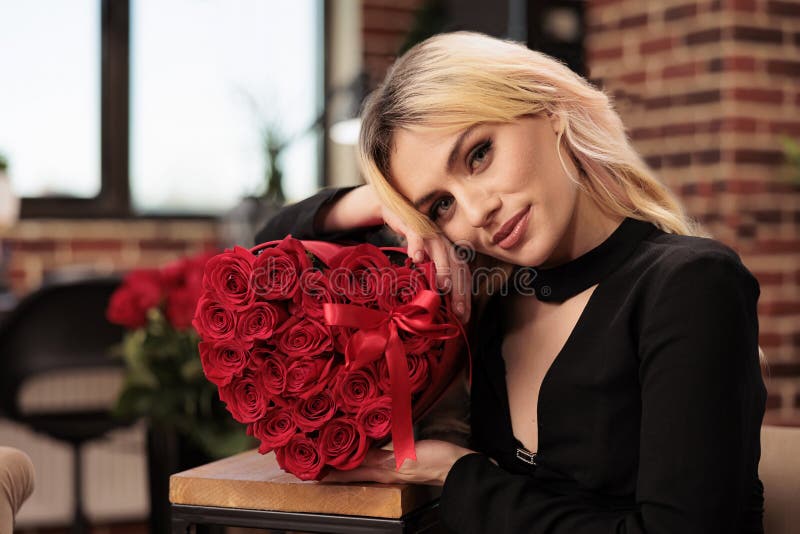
{"x": 299, "y": 220}
{"x": 702, "y": 402}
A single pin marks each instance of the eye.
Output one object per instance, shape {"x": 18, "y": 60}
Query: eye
{"x": 439, "y": 205}
{"x": 478, "y": 154}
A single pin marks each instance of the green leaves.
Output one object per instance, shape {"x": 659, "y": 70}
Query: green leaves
{"x": 164, "y": 383}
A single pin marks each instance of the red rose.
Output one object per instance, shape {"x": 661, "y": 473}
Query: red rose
{"x": 306, "y": 376}
{"x": 181, "y": 304}
{"x": 399, "y": 286}
{"x": 259, "y": 321}
{"x": 418, "y": 375}
{"x": 302, "y": 457}
{"x": 213, "y": 321}
{"x": 276, "y": 271}
{"x": 140, "y": 291}
{"x": 272, "y": 371}
{"x": 343, "y": 442}
{"x": 355, "y": 387}
{"x": 416, "y": 344}
{"x": 304, "y": 337}
{"x": 222, "y": 362}
{"x": 228, "y": 276}
{"x": 375, "y": 417}
{"x": 275, "y": 429}
{"x": 315, "y": 411}
{"x": 314, "y": 290}
{"x": 245, "y": 398}
{"x": 355, "y": 272}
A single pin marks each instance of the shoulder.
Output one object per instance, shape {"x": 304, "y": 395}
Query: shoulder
{"x": 663, "y": 257}
{"x": 672, "y": 262}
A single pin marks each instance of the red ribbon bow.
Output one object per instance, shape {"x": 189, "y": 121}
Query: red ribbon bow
{"x": 378, "y": 336}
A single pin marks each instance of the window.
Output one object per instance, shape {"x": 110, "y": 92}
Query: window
{"x": 205, "y": 78}
{"x": 50, "y": 97}
{"x": 140, "y": 107}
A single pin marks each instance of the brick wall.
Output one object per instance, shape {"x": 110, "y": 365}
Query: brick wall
{"x": 53, "y": 247}
{"x": 705, "y": 89}
{"x": 385, "y": 24}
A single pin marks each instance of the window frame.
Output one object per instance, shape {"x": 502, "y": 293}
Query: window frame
{"x": 114, "y": 197}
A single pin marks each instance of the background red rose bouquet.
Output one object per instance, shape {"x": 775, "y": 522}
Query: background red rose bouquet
{"x": 324, "y": 350}
{"x": 164, "y": 381}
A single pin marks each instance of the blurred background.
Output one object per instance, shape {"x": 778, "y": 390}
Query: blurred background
{"x": 137, "y": 133}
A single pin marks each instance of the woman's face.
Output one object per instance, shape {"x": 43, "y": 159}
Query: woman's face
{"x": 482, "y": 182}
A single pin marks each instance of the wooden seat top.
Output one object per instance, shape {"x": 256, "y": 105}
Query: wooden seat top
{"x": 253, "y": 481}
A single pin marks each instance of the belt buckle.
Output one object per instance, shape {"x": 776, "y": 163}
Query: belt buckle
{"x": 526, "y": 456}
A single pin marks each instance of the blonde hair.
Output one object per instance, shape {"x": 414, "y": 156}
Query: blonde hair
{"x": 454, "y": 80}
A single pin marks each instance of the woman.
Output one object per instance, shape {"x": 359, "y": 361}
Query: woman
{"x": 625, "y": 393}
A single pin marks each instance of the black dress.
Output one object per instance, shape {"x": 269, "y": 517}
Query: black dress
{"x": 649, "y": 417}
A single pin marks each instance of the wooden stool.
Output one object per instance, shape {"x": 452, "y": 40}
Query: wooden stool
{"x": 250, "y": 490}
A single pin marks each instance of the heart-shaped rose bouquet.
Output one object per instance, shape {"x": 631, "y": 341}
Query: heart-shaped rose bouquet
{"x": 324, "y": 350}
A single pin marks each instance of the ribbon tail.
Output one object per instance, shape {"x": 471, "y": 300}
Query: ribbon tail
{"x": 402, "y": 426}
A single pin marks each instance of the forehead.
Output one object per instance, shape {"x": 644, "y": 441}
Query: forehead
{"x": 418, "y": 159}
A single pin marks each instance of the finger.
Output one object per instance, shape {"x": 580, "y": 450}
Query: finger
{"x": 441, "y": 259}
{"x": 462, "y": 296}
{"x": 379, "y": 458}
{"x": 416, "y": 247}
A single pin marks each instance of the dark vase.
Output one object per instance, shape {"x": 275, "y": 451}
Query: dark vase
{"x": 168, "y": 452}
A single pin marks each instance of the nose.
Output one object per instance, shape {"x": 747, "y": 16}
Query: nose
{"x": 479, "y": 205}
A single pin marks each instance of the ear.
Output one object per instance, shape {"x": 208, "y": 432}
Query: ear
{"x": 555, "y": 123}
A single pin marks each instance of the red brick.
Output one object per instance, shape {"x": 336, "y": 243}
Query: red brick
{"x": 713, "y": 35}
{"x": 778, "y": 246}
{"x": 645, "y": 133}
{"x": 655, "y": 45}
{"x": 742, "y": 5}
{"x": 780, "y": 307}
{"x": 774, "y": 401}
{"x": 700, "y": 97}
{"x": 32, "y": 245}
{"x": 732, "y": 63}
{"x": 769, "y": 339}
{"x": 713, "y": 155}
{"x": 386, "y": 19}
{"x": 768, "y": 278}
{"x": 782, "y": 67}
{"x": 766, "y": 96}
{"x": 767, "y": 157}
{"x": 97, "y": 245}
{"x": 381, "y": 42}
{"x": 784, "y": 369}
{"x": 788, "y": 127}
{"x": 633, "y": 21}
{"x": 634, "y": 77}
{"x": 613, "y": 52}
{"x": 677, "y": 71}
{"x": 739, "y": 124}
{"x": 163, "y": 245}
{"x": 679, "y": 12}
{"x": 757, "y": 35}
{"x": 783, "y": 9}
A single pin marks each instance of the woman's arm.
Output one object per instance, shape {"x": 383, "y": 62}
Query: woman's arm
{"x": 702, "y": 403}
{"x": 333, "y": 214}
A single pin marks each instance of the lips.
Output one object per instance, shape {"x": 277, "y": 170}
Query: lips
{"x": 509, "y": 225}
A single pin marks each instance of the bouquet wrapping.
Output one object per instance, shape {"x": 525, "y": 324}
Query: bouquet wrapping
{"x": 324, "y": 350}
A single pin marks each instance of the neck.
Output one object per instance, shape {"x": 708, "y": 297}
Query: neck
{"x": 588, "y": 228}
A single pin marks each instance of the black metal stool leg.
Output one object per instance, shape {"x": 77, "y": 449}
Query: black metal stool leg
{"x": 79, "y": 523}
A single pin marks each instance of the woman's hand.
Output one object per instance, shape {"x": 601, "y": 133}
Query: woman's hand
{"x": 452, "y": 270}
{"x": 434, "y": 460}
{"x": 361, "y": 207}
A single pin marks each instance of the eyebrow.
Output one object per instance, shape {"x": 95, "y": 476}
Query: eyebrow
{"x": 451, "y": 160}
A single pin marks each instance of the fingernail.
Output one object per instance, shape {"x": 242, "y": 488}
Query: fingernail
{"x": 418, "y": 256}
{"x": 459, "y": 308}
